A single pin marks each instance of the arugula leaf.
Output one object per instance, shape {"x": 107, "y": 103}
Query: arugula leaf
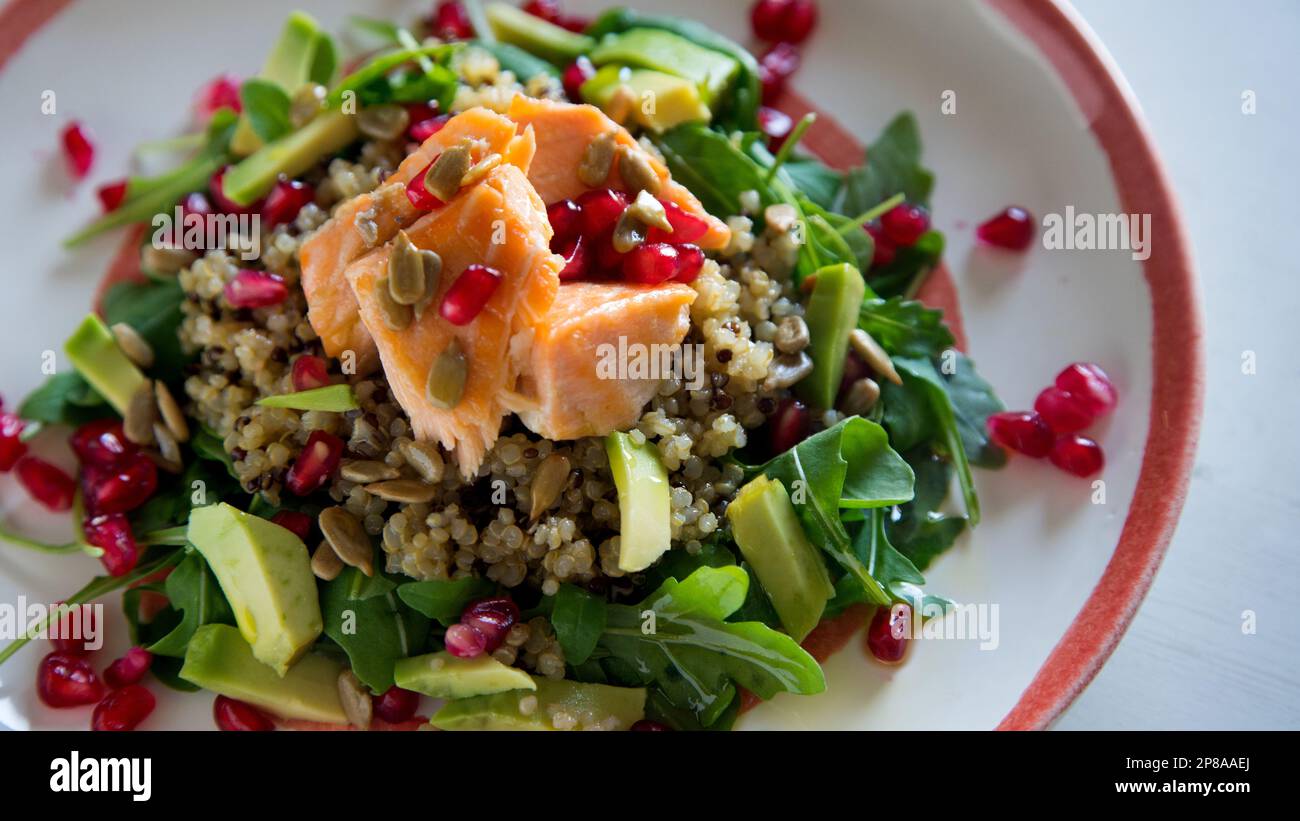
{"x": 815, "y": 180}
{"x": 370, "y": 85}
{"x": 920, "y": 531}
{"x": 714, "y": 168}
{"x": 325, "y": 60}
{"x": 266, "y": 105}
{"x": 192, "y": 590}
{"x": 678, "y": 564}
{"x": 522, "y": 64}
{"x": 207, "y": 445}
{"x": 659, "y": 708}
{"x": 443, "y": 601}
{"x": 893, "y": 164}
{"x": 830, "y": 242}
{"x": 904, "y": 327}
{"x": 906, "y": 273}
{"x": 375, "y": 632}
{"x": 64, "y": 399}
{"x": 578, "y": 618}
{"x": 895, "y": 572}
{"x": 153, "y": 309}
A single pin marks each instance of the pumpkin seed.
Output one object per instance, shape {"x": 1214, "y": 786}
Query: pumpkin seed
{"x": 427, "y": 461}
{"x": 787, "y": 370}
{"x": 874, "y": 355}
{"x": 397, "y": 316}
{"x": 637, "y": 172}
{"x": 166, "y": 259}
{"x": 443, "y": 180}
{"x": 480, "y": 169}
{"x": 791, "y": 335}
{"x": 357, "y": 704}
{"x": 447, "y": 377}
{"x": 629, "y": 232}
{"x": 432, "y": 274}
{"x": 861, "y": 397}
{"x": 598, "y": 160}
{"x": 406, "y": 491}
{"x": 406, "y": 284}
{"x": 549, "y": 482}
{"x": 650, "y": 211}
{"x": 306, "y": 103}
{"x": 348, "y": 538}
{"x": 363, "y": 471}
{"x": 141, "y": 412}
{"x": 136, "y": 348}
{"x": 171, "y": 413}
{"x": 325, "y": 563}
{"x": 383, "y": 122}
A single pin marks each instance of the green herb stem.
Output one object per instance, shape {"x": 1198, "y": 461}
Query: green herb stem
{"x": 874, "y": 213}
{"x": 787, "y": 148}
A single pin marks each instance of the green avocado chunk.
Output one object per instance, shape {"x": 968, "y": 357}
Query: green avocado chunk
{"x": 791, "y": 570}
{"x": 96, "y": 356}
{"x": 832, "y": 315}
{"x": 265, "y": 572}
{"x": 711, "y": 71}
{"x": 443, "y": 675}
{"x": 536, "y": 36}
{"x": 290, "y": 65}
{"x": 218, "y": 659}
{"x": 662, "y": 100}
{"x": 555, "y": 705}
{"x": 291, "y": 155}
{"x": 334, "y": 398}
{"x": 644, "y": 505}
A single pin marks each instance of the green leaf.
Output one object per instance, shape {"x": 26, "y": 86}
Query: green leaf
{"x": 64, "y": 399}
{"x": 893, "y": 165}
{"x": 379, "y": 66}
{"x": 153, "y": 309}
{"x": 207, "y": 445}
{"x": 909, "y": 268}
{"x": 921, "y": 531}
{"x": 375, "y": 632}
{"x": 325, "y": 60}
{"x": 266, "y": 105}
{"x": 192, "y": 590}
{"x": 578, "y": 618}
{"x": 714, "y": 168}
{"x": 443, "y": 601}
{"x": 894, "y": 571}
{"x": 904, "y": 327}
{"x": 816, "y": 181}
{"x": 678, "y": 564}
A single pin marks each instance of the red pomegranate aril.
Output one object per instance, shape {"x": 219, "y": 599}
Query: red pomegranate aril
{"x": 577, "y": 259}
{"x": 651, "y": 263}
{"x": 885, "y": 250}
{"x": 216, "y": 187}
{"x": 565, "y": 218}
{"x": 255, "y": 289}
{"x": 854, "y": 369}
{"x": 112, "y": 195}
{"x": 47, "y": 484}
{"x": 1078, "y": 455}
{"x": 112, "y": 534}
{"x": 286, "y": 199}
{"x": 63, "y": 680}
{"x": 316, "y": 464}
{"x": 887, "y": 635}
{"x": 575, "y": 23}
{"x": 1013, "y": 229}
{"x": 601, "y": 209}
{"x": 609, "y": 260}
{"x": 123, "y": 488}
{"x": 102, "y": 443}
{"x": 776, "y": 67}
{"x": 690, "y": 261}
{"x": 471, "y": 291}
{"x": 419, "y": 195}
{"x": 789, "y": 425}
{"x": 645, "y": 725}
{"x": 236, "y": 716}
{"x": 78, "y": 149}
{"x": 422, "y": 130}
{"x": 74, "y": 625}
{"x": 687, "y": 227}
{"x": 1062, "y": 411}
{"x": 548, "y": 10}
{"x": 1022, "y": 431}
{"x": 789, "y": 21}
{"x": 123, "y": 710}
{"x": 222, "y": 92}
{"x": 776, "y": 125}
{"x": 451, "y": 21}
{"x": 463, "y": 641}
{"x": 1090, "y": 386}
{"x": 12, "y": 447}
{"x": 309, "y": 372}
{"x": 396, "y": 705}
{"x": 492, "y": 618}
{"x": 297, "y": 523}
{"x": 419, "y": 112}
{"x": 579, "y": 71}
{"x": 129, "y": 669}
{"x": 904, "y": 224}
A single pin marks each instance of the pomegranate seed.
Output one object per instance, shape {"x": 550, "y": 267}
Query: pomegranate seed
{"x": 112, "y": 195}
{"x": 112, "y": 533}
{"x": 776, "y": 67}
{"x": 885, "y": 250}
{"x": 1078, "y": 455}
{"x": 419, "y": 195}
{"x": 1013, "y": 229}
{"x": 575, "y": 23}
{"x": 309, "y": 372}
{"x": 129, "y": 669}
{"x": 463, "y": 641}
{"x": 67, "y": 681}
{"x": 645, "y": 725}
{"x": 565, "y": 217}
{"x": 887, "y": 637}
{"x": 396, "y": 705}
{"x": 576, "y": 259}
{"x": 609, "y": 261}
{"x": 101, "y": 443}
{"x": 236, "y": 716}
{"x": 492, "y": 618}
{"x": 451, "y": 21}
{"x": 123, "y": 710}
{"x": 216, "y": 187}
{"x": 904, "y": 224}
{"x": 12, "y": 447}
{"x": 784, "y": 21}
{"x": 419, "y": 112}
{"x": 1062, "y": 411}
{"x": 223, "y": 92}
{"x": 1090, "y": 385}
{"x": 316, "y": 464}
{"x": 579, "y": 71}
{"x": 255, "y": 289}
{"x": 78, "y": 149}
{"x": 299, "y": 524}
{"x": 422, "y": 130}
{"x": 689, "y": 263}
{"x": 47, "y": 484}
{"x": 651, "y": 263}
{"x": 1022, "y": 431}
{"x": 789, "y": 425}
{"x": 123, "y": 488}
{"x": 286, "y": 199}
{"x": 471, "y": 291}
{"x": 686, "y": 226}
{"x": 69, "y": 633}
{"x": 776, "y": 125}
{"x": 548, "y": 10}
{"x": 601, "y": 209}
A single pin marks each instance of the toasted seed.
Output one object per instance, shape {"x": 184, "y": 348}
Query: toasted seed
{"x": 383, "y": 122}
{"x": 363, "y": 471}
{"x": 141, "y": 412}
{"x": 447, "y": 377}
{"x": 168, "y": 447}
{"x": 348, "y": 538}
{"x": 397, "y": 316}
{"x": 406, "y": 491}
{"x": 598, "y": 160}
{"x": 480, "y": 169}
{"x": 166, "y": 259}
{"x": 791, "y": 335}
{"x": 432, "y": 275}
{"x": 787, "y": 370}
{"x": 306, "y": 103}
{"x": 780, "y": 217}
{"x": 406, "y": 283}
{"x": 425, "y": 458}
{"x": 444, "y": 179}
{"x": 629, "y": 232}
{"x": 357, "y": 704}
{"x": 161, "y": 462}
{"x": 549, "y": 482}
{"x": 874, "y": 355}
{"x": 136, "y": 348}
{"x": 171, "y": 413}
{"x": 650, "y": 211}
{"x": 637, "y": 172}
{"x": 861, "y": 397}
{"x": 325, "y": 563}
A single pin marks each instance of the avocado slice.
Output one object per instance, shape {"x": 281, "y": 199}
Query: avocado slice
{"x": 334, "y": 398}
{"x": 265, "y": 572}
{"x": 290, "y": 155}
{"x": 832, "y": 315}
{"x": 675, "y": 100}
{"x": 536, "y": 36}
{"x": 443, "y": 675}
{"x": 589, "y": 705}
{"x": 218, "y": 659}
{"x": 711, "y": 71}
{"x": 290, "y": 65}
{"x": 94, "y": 353}
{"x": 645, "y": 509}
{"x": 791, "y": 570}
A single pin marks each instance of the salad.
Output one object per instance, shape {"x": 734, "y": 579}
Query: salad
{"x": 521, "y": 362}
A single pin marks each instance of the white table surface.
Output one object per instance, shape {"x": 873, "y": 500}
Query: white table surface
{"x": 1185, "y": 662}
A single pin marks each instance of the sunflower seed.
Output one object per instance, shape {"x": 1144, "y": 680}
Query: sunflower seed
{"x": 397, "y": 316}
{"x": 637, "y": 172}
{"x": 447, "y": 377}
{"x": 325, "y": 563}
{"x": 171, "y": 413}
{"x": 168, "y": 448}
{"x": 791, "y": 335}
{"x": 406, "y": 491}
{"x": 136, "y": 348}
{"x": 629, "y": 232}
{"x": 162, "y": 463}
{"x": 549, "y": 482}
{"x": 874, "y": 355}
{"x": 780, "y": 217}
{"x": 357, "y": 704}
{"x": 383, "y": 122}
{"x": 427, "y": 461}
{"x": 786, "y": 370}
{"x": 141, "y": 412}
{"x": 861, "y": 397}
{"x": 406, "y": 283}
{"x": 443, "y": 179}
{"x": 598, "y": 160}
{"x": 165, "y": 259}
{"x": 363, "y": 472}
{"x": 306, "y": 103}
{"x": 348, "y": 538}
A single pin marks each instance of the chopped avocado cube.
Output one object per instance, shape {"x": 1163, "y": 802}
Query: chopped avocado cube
{"x": 645, "y": 510}
{"x": 265, "y": 572}
{"x": 334, "y": 398}
{"x": 711, "y": 71}
{"x": 791, "y": 570}
{"x": 536, "y": 36}
{"x": 218, "y": 659}
{"x": 832, "y": 315}
{"x": 572, "y": 705}
{"x": 443, "y": 675}
{"x": 290, "y": 155}
{"x": 96, "y": 356}
{"x": 290, "y": 65}
{"x": 662, "y": 100}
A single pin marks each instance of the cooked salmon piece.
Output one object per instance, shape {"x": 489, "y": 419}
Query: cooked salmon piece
{"x": 495, "y": 343}
{"x": 564, "y": 130}
{"x": 572, "y": 382}
{"x": 332, "y": 308}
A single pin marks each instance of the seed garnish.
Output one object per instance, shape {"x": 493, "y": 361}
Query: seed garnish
{"x": 406, "y": 491}
{"x": 363, "y": 471}
{"x": 325, "y": 563}
{"x": 171, "y": 413}
{"x": 447, "y": 377}
{"x": 136, "y": 348}
{"x": 444, "y": 177}
{"x": 397, "y": 316}
{"x": 425, "y": 458}
{"x": 357, "y": 704}
{"x": 629, "y": 233}
{"x": 406, "y": 275}
{"x": 383, "y": 122}
{"x": 637, "y": 172}
{"x": 787, "y": 370}
{"x": 874, "y": 355}
{"x": 549, "y": 482}
{"x": 348, "y": 538}
{"x": 598, "y": 160}
{"x": 141, "y": 412}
